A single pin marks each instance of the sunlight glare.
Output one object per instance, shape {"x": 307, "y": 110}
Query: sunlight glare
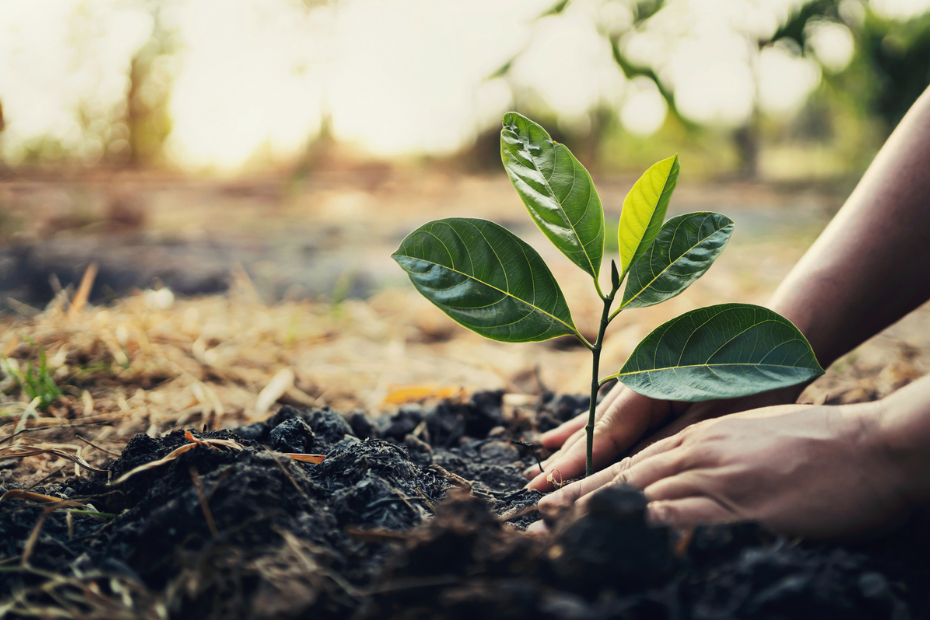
{"x": 785, "y": 79}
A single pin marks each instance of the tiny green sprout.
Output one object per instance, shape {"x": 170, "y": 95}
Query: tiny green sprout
{"x": 36, "y": 382}
{"x": 490, "y": 281}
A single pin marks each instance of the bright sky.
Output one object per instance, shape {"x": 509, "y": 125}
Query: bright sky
{"x": 396, "y": 77}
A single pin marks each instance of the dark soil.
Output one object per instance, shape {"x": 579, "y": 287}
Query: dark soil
{"x": 419, "y": 516}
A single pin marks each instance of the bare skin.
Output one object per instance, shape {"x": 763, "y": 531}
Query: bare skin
{"x": 804, "y": 470}
{"x": 863, "y": 273}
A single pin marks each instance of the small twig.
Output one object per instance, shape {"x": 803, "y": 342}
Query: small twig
{"x": 681, "y": 546}
{"x": 46, "y": 428}
{"x": 53, "y": 502}
{"x": 303, "y": 493}
{"x": 33, "y": 538}
{"x": 517, "y": 512}
{"x": 506, "y": 496}
{"x": 30, "y": 412}
{"x": 83, "y": 292}
{"x": 104, "y": 450}
{"x": 153, "y": 464}
{"x": 425, "y": 499}
{"x": 399, "y": 498}
{"x": 26, "y": 451}
{"x": 94, "y": 513}
{"x": 449, "y": 476}
{"x": 204, "y": 506}
{"x": 46, "y": 478}
{"x": 532, "y": 448}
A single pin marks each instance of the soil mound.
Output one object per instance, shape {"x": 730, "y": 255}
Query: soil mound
{"x": 417, "y": 516}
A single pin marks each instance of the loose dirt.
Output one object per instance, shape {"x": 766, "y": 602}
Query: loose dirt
{"x": 417, "y": 515}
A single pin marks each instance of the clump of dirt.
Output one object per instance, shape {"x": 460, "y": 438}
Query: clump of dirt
{"x": 611, "y": 564}
{"x": 414, "y": 516}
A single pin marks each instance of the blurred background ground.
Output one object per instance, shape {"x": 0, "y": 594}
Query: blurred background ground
{"x": 239, "y": 173}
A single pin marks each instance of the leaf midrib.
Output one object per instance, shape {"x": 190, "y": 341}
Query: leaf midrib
{"x": 633, "y": 258}
{"x": 708, "y": 366}
{"x": 670, "y": 265}
{"x": 555, "y": 146}
{"x": 491, "y": 286}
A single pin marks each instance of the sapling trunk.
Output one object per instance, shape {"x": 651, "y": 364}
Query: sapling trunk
{"x": 596, "y": 361}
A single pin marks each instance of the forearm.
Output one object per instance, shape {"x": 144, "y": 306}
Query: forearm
{"x": 903, "y": 435}
{"x": 867, "y": 269}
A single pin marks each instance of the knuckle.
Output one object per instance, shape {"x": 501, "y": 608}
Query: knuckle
{"x": 620, "y": 466}
{"x": 700, "y": 454}
{"x": 622, "y": 477}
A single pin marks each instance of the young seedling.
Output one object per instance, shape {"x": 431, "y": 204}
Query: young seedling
{"x": 490, "y": 281}
{"x": 36, "y": 382}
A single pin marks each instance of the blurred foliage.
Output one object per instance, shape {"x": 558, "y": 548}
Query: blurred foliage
{"x": 891, "y": 63}
{"x": 844, "y": 121}
{"x": 133, "y": 132}
{"x": 150, "y": 78}
{"x": 854, "y": 110}
{"x": 837, "y": 132}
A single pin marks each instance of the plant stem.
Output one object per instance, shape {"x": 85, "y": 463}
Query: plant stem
{"x": 595, "y": 383}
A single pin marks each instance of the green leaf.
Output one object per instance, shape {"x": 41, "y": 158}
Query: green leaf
{"x": 682, "y": 252}
{"x": 720, "y": 352}
{"x": 644, "y": 210}
{"x": 556, "y": 189}
{"x": 487, "y": 279}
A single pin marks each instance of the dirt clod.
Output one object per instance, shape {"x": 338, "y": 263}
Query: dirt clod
{"x": 423, "y": 524}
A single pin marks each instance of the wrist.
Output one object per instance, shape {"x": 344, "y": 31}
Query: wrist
{"x": 901, "y": 438}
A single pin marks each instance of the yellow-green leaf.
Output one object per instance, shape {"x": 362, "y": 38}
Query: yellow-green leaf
{"x": 644, "y": 210}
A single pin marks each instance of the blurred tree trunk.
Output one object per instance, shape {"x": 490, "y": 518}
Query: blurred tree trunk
{"x": 147, "y": 97}
{"x": 746, "y": 139}
{"x": 4, "y": 169}
{"x": 134, "y": 112}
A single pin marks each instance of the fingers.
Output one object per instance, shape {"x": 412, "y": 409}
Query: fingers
{"x": 569, "y": 494}
{"x": 536, "y": 528}
{"x": 663, "y": 445}
{"x": 557, "y": 436}
{"x": 624, "y": 421}
{"x": 686, "y": 484}
{"x": 566, "y": 435}
{"x": 689, "y": 511}
{"x": 639, "y": 475}
{"x": 571, "y": 462}
{"x": 670, "y": 430}
{"x": 533, "y": 471}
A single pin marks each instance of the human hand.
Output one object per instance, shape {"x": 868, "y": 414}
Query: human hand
{"x": 623, "y": 420}
{"x": 799, "y": 469}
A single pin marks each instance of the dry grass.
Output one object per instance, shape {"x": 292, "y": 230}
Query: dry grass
{"x": 151, "y": 364}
